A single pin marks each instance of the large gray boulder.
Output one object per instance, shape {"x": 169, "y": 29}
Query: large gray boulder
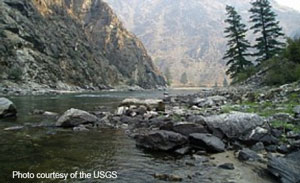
{"x": 233, "y": 125}
{"x": 286, "y": 168}
{"x": 7, "y": 108}
{"x": 207, "y": 142}
{"x": 75, "y": 117}
{"x": 160, "y": 140}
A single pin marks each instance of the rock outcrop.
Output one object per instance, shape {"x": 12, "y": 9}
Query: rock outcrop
{"x": 67, "y": 44}
{"x": 7, "y": 108}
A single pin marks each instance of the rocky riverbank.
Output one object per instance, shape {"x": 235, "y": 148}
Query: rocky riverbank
{"x": 256, "y": 133}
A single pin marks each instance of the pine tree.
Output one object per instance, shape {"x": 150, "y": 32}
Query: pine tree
{"x": 237, "y": 43}
{"x": 184, "y": 79}
{"x": 168, "y": 76}
{"x": 225, "y": 82}
{"x": 268, "y": 42}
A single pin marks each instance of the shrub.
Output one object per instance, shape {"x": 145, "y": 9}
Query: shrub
{"x": 15, "y": 73}
{"x": 282, "y": 71}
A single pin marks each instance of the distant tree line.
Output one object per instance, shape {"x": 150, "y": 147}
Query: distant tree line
{"x": 270, "y": 51}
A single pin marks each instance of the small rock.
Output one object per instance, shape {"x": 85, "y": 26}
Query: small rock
{"x": 271, "y": 148}
{"x": 160, "y": 140}
{"x": 80, "y": 128}
{"x": 259, "y": 146}
{"x": 227, "y": 166}
{"x": 283, "y": 148}
{"x": 7, "y": 108}
{"x": 247, "y": 154}
{"x": 14, "y": 128}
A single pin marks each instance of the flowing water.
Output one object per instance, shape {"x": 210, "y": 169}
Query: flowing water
{"x": 47, "y": 150}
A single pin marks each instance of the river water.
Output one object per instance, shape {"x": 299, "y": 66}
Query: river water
{"x": 47, "y": 150}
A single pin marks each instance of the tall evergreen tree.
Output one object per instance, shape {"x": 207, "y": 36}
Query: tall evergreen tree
{"x": 237, "y": 43}
{"x": 168, "y": 76}
{"x": 225, "y": 82}
{"x": 184, "y": 78}
{"x": 268, "y": 42}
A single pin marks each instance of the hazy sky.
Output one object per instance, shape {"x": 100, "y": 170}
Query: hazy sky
{"x": 290, "y": 3}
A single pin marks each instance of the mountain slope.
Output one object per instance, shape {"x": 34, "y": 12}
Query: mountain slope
{"x": 70, "y": 43}
{"x": 187, "y": 36}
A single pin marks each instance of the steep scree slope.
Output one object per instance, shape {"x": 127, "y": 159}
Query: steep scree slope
{"x": 66, "y": 44}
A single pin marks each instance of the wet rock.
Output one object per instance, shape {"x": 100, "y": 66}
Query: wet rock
{"x": 166, "y": 177}
{"x": 48, "y": 113}
{"x": 234, "y": 125}
{"x": 160, "y": 140}
{"x": 248, "y": 155}
{"x": 227, "y": 166}
{"x": 14, "y": 128}
{"x": 7, "y": 108}
{"x": 286, "y": 168}
{"x": 151, "y": 104}
{"x": 75, "y": 117}
{"x": 207, "y": 141}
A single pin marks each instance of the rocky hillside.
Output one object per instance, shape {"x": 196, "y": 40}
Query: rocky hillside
{"x": 67, "y": 44}
{"x": 187, "y": 36}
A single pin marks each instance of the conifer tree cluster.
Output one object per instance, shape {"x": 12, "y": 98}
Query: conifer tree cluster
{"x": 268, "y": 34}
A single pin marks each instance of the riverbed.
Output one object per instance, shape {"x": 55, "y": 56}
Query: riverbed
{"x": 49, "y": 149}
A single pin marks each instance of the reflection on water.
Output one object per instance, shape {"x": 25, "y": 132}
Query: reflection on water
{"x": 57, "y": 150}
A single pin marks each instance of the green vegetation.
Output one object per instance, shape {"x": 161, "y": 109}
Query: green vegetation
{"x": 168, "y": 76}
{"x": 237, "y": 43}
{"x": 15, "y": 73}
{"x": 184, "y": 79}
{"x": 279, "y": 65}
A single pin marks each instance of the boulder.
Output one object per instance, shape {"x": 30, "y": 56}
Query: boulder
{"x": 186, "y": 128}
{"x": 75, "y": 117}
{"x": 259, "y": 135}
{"x": 233, "y": 125}
{"x": 160, "y": 140}
{"x": 207, "y": 141}
{"x": 7, "y": 108}
{"x": 151, "y": 104}
{"x": 286, "y": 168}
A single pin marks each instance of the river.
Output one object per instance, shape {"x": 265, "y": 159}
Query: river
{"x": 48, "y": 150}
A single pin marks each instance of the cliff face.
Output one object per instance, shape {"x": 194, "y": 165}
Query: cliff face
{"x": 63, "y": 43}
{"x": 187, "y": 36}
